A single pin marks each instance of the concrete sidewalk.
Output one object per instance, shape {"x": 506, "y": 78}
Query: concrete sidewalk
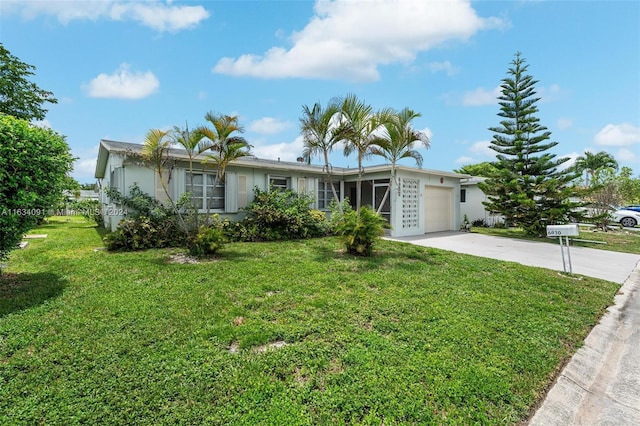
{"x": 601, "y": 383}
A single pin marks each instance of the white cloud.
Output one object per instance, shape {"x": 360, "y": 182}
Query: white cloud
{"x": 269, "y": 125}
{"x": 564, "y": 123}
{"x": 481, "y": 96}
{"x": 285, "y": 151}
{"x": 427, "y": 131}
{"x": 445, "y": 66}
{"x": 345, "y": 40}
{"x": 464, "y": 160}
{"x": 548, "y": 94}
{"x": 123, "y": 84}
{"x": 44, "y": 124}
{"x": 84, "y": 168}
{"x": 573, "y": 156}
{"x": 627, "y": 156}
{"x": 159, "y": 15}
{"x": 482, "y": 148}
{"x": 624, "y": 134}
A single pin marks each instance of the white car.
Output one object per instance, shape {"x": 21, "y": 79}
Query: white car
{"x": 626, "y": 218}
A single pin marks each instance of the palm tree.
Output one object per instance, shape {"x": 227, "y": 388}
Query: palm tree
{"x": 191, "y": 142}
{"x": 225, "y": 146}
{"x": 591, "y": 163}
{"x": 155, "y": 152}
{"x": 358, "y": 125}
{"x": 398, "y": 141}
{"x": 320, "y": 134}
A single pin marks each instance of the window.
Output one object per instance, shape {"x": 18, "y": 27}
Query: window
{"x": 279, "y": 183}
{"x": 325, "y": 193}
{"x": 463, "y": 195}
{"x": 204, "y": 192}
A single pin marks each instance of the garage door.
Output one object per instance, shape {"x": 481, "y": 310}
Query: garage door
{"x": 437, "y": 215}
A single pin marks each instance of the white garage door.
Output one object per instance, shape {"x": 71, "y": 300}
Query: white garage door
{"x": 437, "y": 215}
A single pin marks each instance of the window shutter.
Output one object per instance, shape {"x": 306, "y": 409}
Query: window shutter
{"x": 242, "y": 191}
{"x": 312, "y": 189}
{"x": 231, "y": 192}
{"x": 117, "y": 180}
{"x": 302, "y": 185}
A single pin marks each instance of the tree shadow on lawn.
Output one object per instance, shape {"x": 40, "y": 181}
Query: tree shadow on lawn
{"x": 25, "y": 290}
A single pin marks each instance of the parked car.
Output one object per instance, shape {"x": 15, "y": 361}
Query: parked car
{"x": 626, "y": 218}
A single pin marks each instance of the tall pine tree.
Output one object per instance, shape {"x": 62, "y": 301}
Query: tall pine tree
{"x": 530, "y": 189}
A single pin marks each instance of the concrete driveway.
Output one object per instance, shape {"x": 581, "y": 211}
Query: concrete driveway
{"x": 601, "y": 383}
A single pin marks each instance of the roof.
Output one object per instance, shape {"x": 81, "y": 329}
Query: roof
{"x": 108, "y": 146}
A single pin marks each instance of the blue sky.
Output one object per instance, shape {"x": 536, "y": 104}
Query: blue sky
{"x": 120, "y": 68}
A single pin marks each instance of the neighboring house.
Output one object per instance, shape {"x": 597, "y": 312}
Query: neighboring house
{"x": 471, "y": 199}
{"x": 81, "y": 194}
{"x": 427, "y": 200}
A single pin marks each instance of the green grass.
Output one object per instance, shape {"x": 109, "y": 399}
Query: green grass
{"x": 410, "y": 336}
{"x": 615, "y": 240}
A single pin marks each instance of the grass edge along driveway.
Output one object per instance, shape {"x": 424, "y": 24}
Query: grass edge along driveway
{"x": 281, "y": 333}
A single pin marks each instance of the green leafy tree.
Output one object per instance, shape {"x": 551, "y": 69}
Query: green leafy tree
{"x": 20, "y": 97}
{"x": 320, "y": 134}
{"x": 629, "y": 186}
{"x": 34, "y": 163}
{"x": 530, "y": 190}
{"x": 398, "y": 141}
{"x": 360, "y": 123}
{"x": 484, "y": 169}
{"x": 225, "y": 146}
{"x": 591, "y": 164}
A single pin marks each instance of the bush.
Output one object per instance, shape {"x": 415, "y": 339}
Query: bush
{"x": 279, "y": 215}
{"x": 34, "y": 163}
{"x": 139, "y": 203}
{"x": 90, "y": 210}
{"x": 479, "y": 223}
{"x": 144, "y": 233}
{"x": 360, "y": 231}
{"x": 336, "y": 216}
{"x": 209, "y": 239}
{"x": 149, "y": 225}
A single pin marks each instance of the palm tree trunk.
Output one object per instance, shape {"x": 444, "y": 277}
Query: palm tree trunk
{"x": 183, "y": 225}
{"x": 330, "y": 179}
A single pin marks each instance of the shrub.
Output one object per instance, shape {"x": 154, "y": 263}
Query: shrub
{"x": 209, "y": 239}
{"x": 360, "y": 231}
{"x": 335, "y": 215}
{"x": 34, "y": 163}
{"x": 279, "y": 215}
{"x": 139, "y": 203}
{"x": 90, "y": 210}
{"x": 479, "y": 223}
{"x": 144, "y": 233}
{"x": 149, "y": 225}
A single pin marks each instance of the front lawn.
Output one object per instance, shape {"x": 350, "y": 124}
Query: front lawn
{"x": 280, "y": 333}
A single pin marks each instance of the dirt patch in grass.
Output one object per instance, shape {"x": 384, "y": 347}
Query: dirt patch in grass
{"x": 182, "y": 259}
{"x": 270, "y": 346}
